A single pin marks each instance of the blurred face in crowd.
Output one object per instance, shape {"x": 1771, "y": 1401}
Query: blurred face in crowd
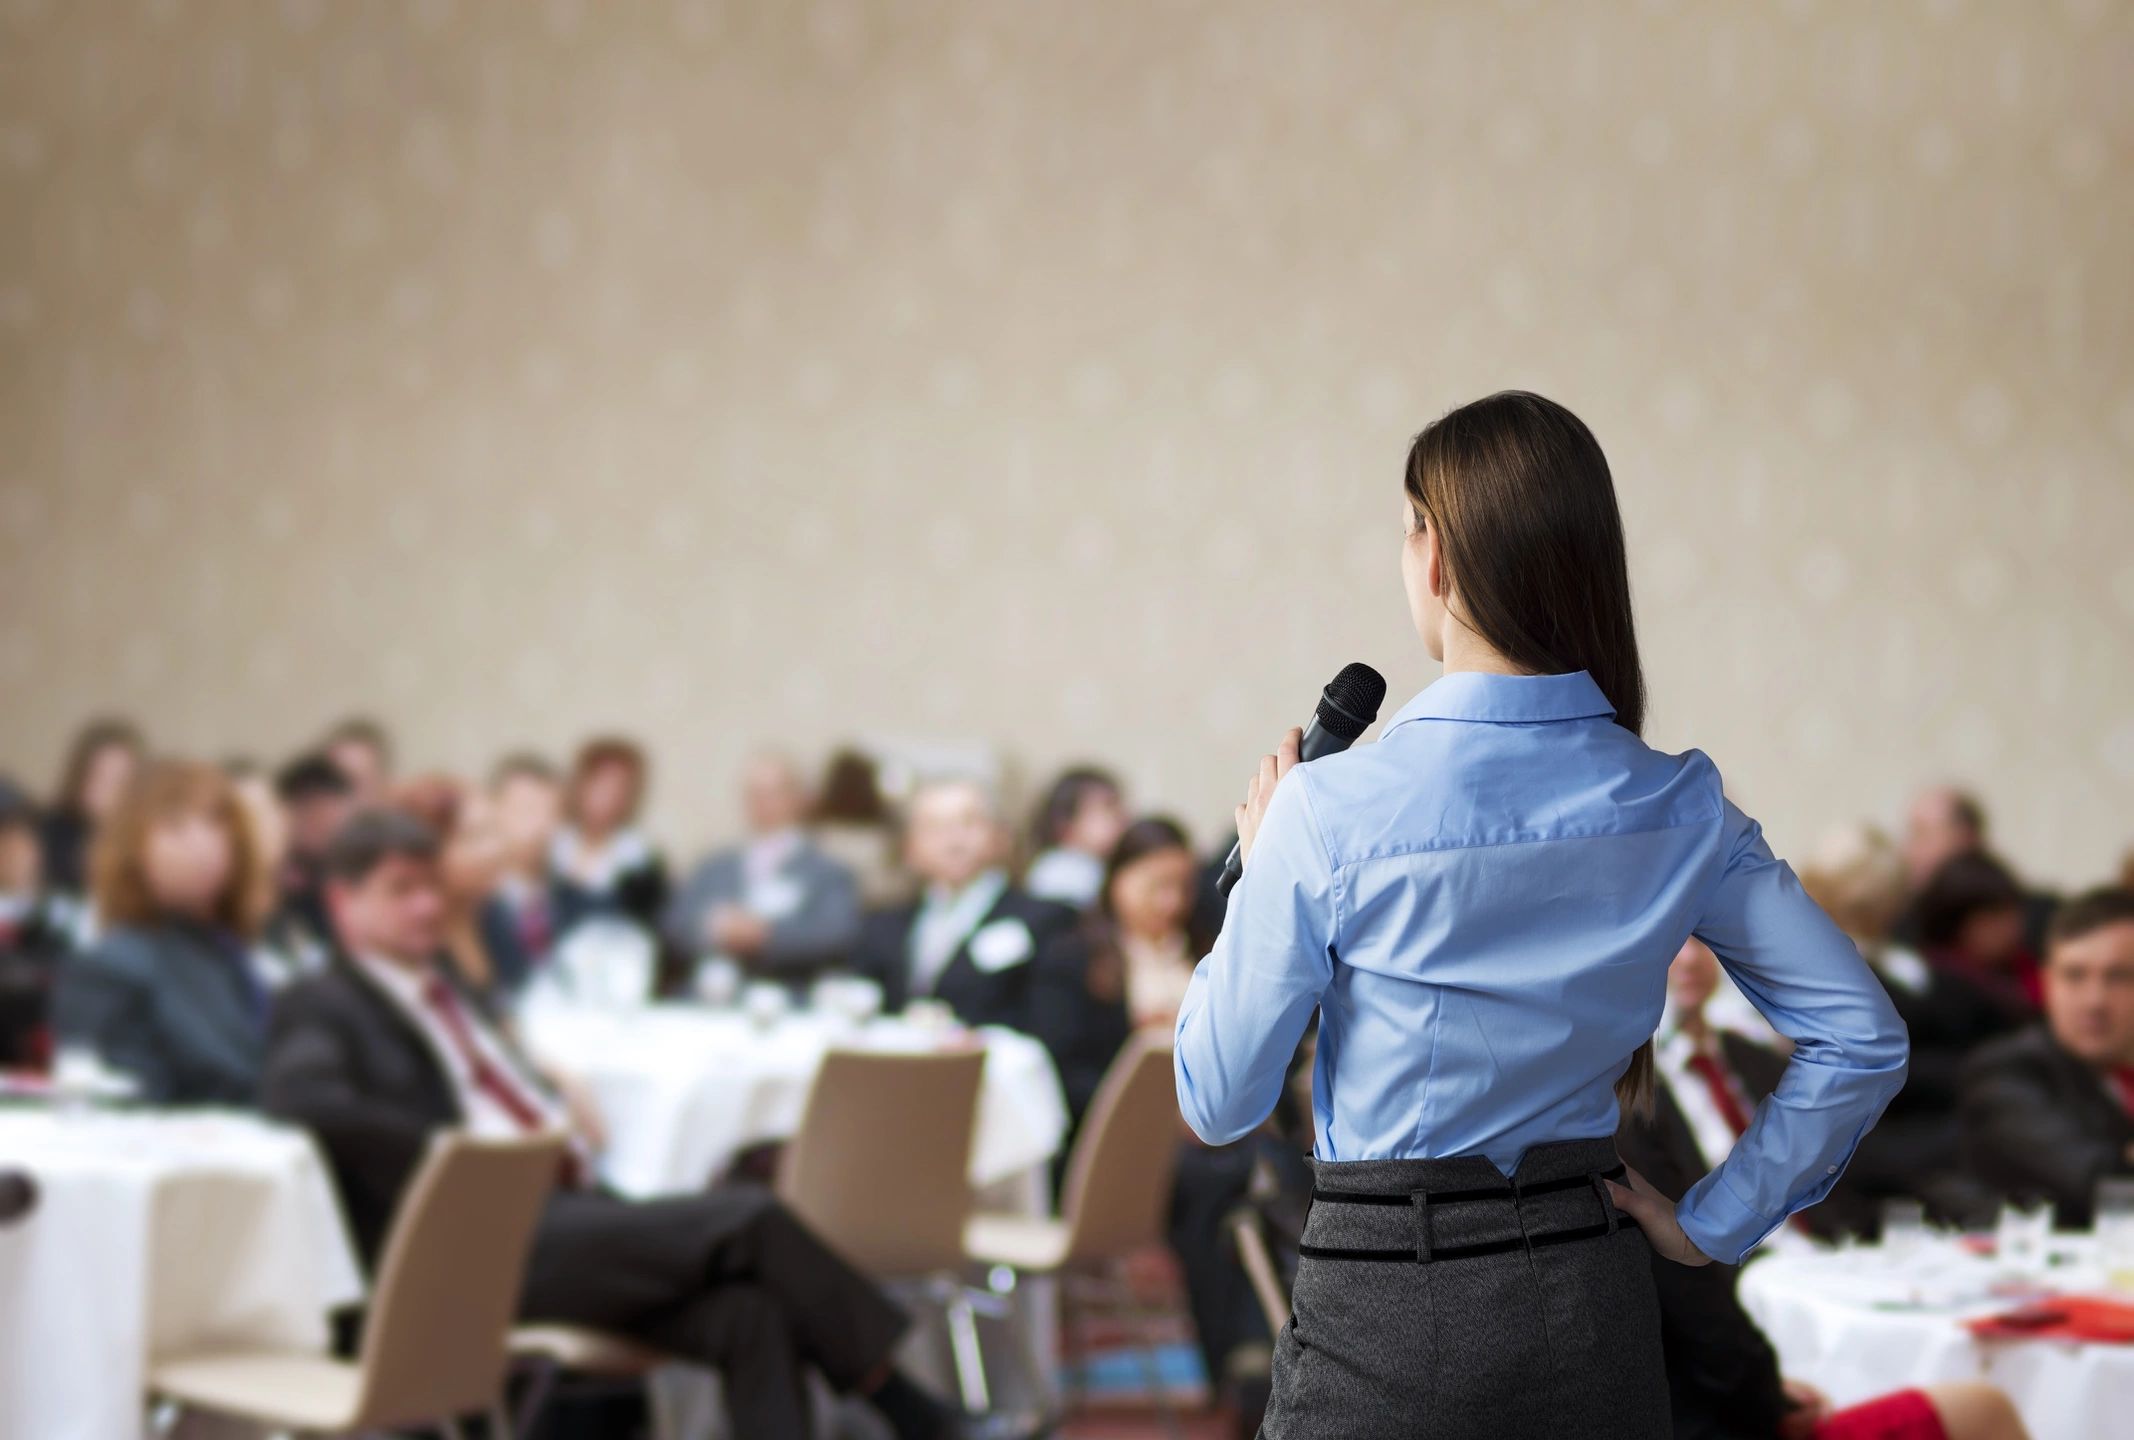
{"x": 1692, "y": 977}
{"x": 364, "y": 765}
{"x": 952, "y": 834}
{"x": 606, "y": 797}
{"x": 396, "y": 912}
{"x": 1099, "y": 819}
{"x": 111, "y": 770}
{"x": 1152, "y": 895}
{"x": 773, "y": 796}
{"x": 1934, "y": 831}
{"x": 528, "y": 809}
{"x": 2089, "y": 995}
{"x": 21, "y": 860}
{"x": 474, "y": 858}
{"x": 311, "y": 820}
{"x": 189, "y": 858}
{"x": 1994, "y": 937}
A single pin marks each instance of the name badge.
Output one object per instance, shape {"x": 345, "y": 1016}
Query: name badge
{"x": 776, "y": 898}
{"x": 1001, "y": 945}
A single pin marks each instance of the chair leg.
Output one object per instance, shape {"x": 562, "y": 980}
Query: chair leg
{"x": 500, "y": 1427}
{"x": 970, "y": 1359}
{"x": 541, "y": 1381}
{"x": 163, "y": 1418}
{"x": 1148, "y": 1317}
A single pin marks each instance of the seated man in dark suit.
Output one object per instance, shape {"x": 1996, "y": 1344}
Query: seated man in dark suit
{"x": 971, "y": 936}
{"x": 2049, "y": 1111}
{"x": 33, "y": 935}
{"x": 382, "y": 1050}
{"x": 776, "y": 905}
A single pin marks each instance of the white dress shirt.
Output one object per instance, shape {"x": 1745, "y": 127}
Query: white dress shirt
{"x": 482, "y": 1112}
{"x": 946, "y": 919}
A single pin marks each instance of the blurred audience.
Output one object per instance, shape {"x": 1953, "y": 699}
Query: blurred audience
{"x": 970, "y": 938}
{"x": 101, "y": 762}
{"x": 1943, "y": 824}
{"x": 603, "y": 864}
{"x": 1077, "y": 824}
{"x": 2048, "y": 1112}
{"x": 170, "y": 993}
{"x": 385, "y": 1049}
{"x": 853, "y": 826}
{"x": 316, "y": 798}
{"x": 1970, "y": 923}
{"x": 34, "y": 934}
{"x": 1856, "y": 875}
{"x": 528, "y": 805}
{"x": 362, "y": 751}
{"x": 775, "y": 904}
{"x": 1124, "y": 968}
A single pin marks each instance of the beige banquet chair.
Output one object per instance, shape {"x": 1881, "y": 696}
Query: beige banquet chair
{"x": 1117, "y": 1190}
{"x": 434, "y": 1341}
{"x": 880, "y": 1169}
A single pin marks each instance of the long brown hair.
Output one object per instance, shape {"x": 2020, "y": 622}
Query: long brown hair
{"x": 167, "y": 788}
{"x": 1106, "y": 975}
{"x": 106, "y": 732}
{"x": 1530, "y": 542}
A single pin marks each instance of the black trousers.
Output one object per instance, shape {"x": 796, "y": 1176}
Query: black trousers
{"x": 727, "y": 1277}
{"x": 1214, "y": 1182}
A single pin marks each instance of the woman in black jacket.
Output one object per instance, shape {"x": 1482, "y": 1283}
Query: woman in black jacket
{"x": 1125, "y": 968}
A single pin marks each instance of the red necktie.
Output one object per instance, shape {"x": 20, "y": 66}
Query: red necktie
{"x": 488, "y": 1078}
{"x": 493, "y": 1080}
{"x": 1723, "y": 1096}
{"x": 2123, "y": 1085}
{"x": 533, "y": 927}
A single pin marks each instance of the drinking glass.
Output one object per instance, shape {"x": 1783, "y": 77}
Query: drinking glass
{"x": 2021, "y": 1237}
{"x": 2115, "y": 1230}
{"x": 1904, "y": 1228}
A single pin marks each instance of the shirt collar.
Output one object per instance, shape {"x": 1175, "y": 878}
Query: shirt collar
{"x": 403, "y": 982}
{"x": 1507, "y": 699}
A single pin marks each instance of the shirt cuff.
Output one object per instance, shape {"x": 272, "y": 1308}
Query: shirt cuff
{"x": 1719, "y": 1224}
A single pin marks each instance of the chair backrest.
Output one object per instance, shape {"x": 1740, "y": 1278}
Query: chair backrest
{"x": 1119, "y": 1176}
{"x": 881, "y": 1165}
{"x": 434, "y": 1342}
{"x": 1258, "y": 1260}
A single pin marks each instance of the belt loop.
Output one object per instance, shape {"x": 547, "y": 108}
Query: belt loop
{"x": 1420, "y": 1199}
{"x": 1600, "y": 1193}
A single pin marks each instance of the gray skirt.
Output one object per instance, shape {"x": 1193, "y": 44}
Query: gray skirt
{"x": 1444, "y": 1302}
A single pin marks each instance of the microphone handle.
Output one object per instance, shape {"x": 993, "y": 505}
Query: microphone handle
{"x": 1318, "y": 740}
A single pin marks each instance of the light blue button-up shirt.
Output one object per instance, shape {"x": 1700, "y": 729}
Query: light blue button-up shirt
{"x": 1482, "y": 907}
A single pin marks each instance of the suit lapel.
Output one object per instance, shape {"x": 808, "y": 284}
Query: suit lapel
{"x": 391, "y": 1023}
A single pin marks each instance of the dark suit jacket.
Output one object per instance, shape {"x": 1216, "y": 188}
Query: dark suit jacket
{"x": 176, "y": 1006}
{"x": 1084, "y": 1033}
{"x": 2038, "y": 1124}
{"x": 30, "y": 958}
{"x": 1722, "y": 1375}
{"x": 347, "y": 1065}
{"x": 817, "y": 935}
{"x": 978, "y": 996}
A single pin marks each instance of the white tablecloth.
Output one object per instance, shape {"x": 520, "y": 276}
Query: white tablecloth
{"x": 155, "y": 1234}
{"x": 1858, "y": 1324}
{"x": 683, "y": 1089}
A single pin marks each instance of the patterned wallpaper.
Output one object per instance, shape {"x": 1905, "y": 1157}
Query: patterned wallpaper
{"x": 1037, "y": 375}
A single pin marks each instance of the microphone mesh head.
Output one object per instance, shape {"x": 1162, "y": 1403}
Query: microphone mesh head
{"x": 1351, "y": 700}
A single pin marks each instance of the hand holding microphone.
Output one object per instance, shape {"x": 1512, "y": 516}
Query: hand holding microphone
{"x": 1346, "y": 709}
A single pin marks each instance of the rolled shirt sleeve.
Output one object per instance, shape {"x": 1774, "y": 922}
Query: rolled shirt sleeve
{"x": 1253, "y": 995}
{"x": 1808, "y": 979}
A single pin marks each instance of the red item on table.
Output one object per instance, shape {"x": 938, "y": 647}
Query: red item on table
{"x": 2090, "y": 1318}
{"x": 1905, "y": 1415}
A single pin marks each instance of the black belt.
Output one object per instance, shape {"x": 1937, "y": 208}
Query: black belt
{"x": 1423, "y": 1252}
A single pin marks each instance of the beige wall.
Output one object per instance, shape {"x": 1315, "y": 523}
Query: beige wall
{"x": 1040, "y": 373}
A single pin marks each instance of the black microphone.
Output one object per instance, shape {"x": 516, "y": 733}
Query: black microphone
{"x": 1347, "y": 707}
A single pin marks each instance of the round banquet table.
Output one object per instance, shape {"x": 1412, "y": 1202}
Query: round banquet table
{"x": 683, "y": 1089}
{"x": 155, "y": 1233}
{"x": 1858, "y": 1322}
